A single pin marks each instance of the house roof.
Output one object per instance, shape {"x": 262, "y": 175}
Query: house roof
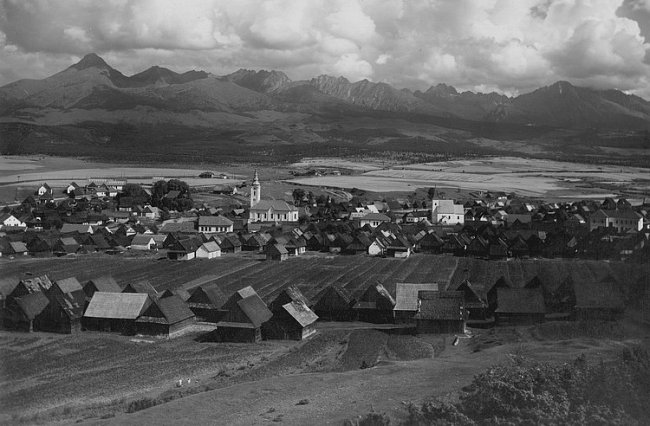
{"x": 32, "y": 304}
{"x": 106, "y": 284}
{"x": 376, "y": 291}
{"x": 520, "y": 301}
{"x": 406, "y": 295}
{"x": 246, "y": 292}
{"x": 291, "y": 294}
{"x": 210, "y": 247}
{"x": 619, "y": 214}
{"x": 376, "y": 217}
{"x": 177, "y": 227}
{"x": 276, "y": 249}
{"x": 142, "y": 240}
{"x": 208, "y": 295}
{"x": 37, "y": 283}
{"x": 440, "y": 305}
{"x": 301, "y": 313}
{"x": 117, "y": 305}
{"x": 18, "y": 246}
{"x": 69, "y": 285}
{"x": 275, "y": 205}
{"x": 173, "y": 310}
{"x": 214, "y": 221}
{"x": 448, "y": 207}
{"x": 255, "y": 309}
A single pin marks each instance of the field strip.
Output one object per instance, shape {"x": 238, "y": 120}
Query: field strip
{"x": 206, "y": 279}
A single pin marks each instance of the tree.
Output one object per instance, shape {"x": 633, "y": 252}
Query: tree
{"x": 431, "y": 193}
{"x": 298, "y": 195}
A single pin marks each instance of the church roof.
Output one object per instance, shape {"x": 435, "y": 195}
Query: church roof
{"x": 275, "y": 205}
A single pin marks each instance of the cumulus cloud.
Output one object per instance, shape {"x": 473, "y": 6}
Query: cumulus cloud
{"x": 510, "y": 45}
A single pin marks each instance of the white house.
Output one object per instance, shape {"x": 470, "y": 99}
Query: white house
{"x": 8, "y": 219}
{"x": 143, "y": 242}
{"x": 215, "y": 224}
{"x": 622, "y": 220}
{"x": 208, "y": 250}
{"x": 373, "y": 219}
{"x": 447, "y": 213}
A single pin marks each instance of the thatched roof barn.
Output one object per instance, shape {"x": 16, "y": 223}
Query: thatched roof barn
{"x": 406, "y": 299}
{"x": 335, "y": 304}
{"x": 440, "y": 312}
{"x": 165, "y": 317}
{"x": 207, "y": 303}
{"x": 520, "y": 306}
{"x": 115, "y": 311}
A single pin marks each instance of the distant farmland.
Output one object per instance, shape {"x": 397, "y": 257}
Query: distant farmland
{"x": 315, "y": 273}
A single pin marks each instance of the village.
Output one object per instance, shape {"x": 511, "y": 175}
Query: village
{"x": 117, "y": 218}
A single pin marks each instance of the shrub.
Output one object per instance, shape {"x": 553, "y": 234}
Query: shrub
{"x": 140, "y": 404}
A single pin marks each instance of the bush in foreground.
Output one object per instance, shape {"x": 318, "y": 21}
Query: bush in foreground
{"x": 528, "y": 392}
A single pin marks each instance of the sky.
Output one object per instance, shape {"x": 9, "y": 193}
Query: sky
{"x": 508, "y": 46}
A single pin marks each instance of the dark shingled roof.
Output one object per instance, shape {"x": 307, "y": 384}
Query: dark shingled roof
{"x": 520, "y": 301}
{"x": 288, "y": 295}
{"x": 301, "y": 313}
{"x": 69, "y": 285}
{"x": 32, "y": 304}
{"x": 107, "y": 284}
{"x": 441, "y": 305}
{"x": 372, "y": 298}
{"x": 255, "y": 309}
{"x": 72, "y": 303}
{"x": 212, "y": 297}
{"x": 169, "y": 310}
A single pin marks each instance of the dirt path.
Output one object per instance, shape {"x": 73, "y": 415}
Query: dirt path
{"x": 334, "y": 397}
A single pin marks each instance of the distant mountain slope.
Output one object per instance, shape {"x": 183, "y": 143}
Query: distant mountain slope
{"x": 92, "y": 84}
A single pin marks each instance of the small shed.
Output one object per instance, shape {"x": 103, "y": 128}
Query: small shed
{"x": 276, "y": 252}
{"x": 440, "y": 312}
{"x": 207, "y": 303}
{"x": 294, "y": 321}
{"x": 335, "y": 304}
{"x": 165, "y": 317}
{"x": 106, "y": 284}
{"x": 519, "y": 306}
{"x": 406, "y": 300}
{"x": 375, "y": 305}
{"x": 115, "y": 311}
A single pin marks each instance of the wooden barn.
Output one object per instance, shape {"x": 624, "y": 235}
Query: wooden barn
{"x": 335, "y": 304}
{"x": 599, "y": 301}
{"x": 406, "y": 300}
{"x": 21, "y": 316}
{"x": 24, "y": 310}
{"x": 375, "y": 305}
{"x": 475, "y": 305}
{"x": 207, "y": 303}
{"x": 115, "y": 311}
{"x": 276, "y": 252}
{"x": 105, "y": 284}
{"x": 166, "y": 317}
{"x": 519, "y": 306}
{"x": 440, "y": 312}
{"x": 64, "y": 311}
{"x": 293, "y": 321}
{"x": 246, "y": 315}
{"x": 288, "y": 295}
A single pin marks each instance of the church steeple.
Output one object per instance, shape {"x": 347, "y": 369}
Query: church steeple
{"x": 256, "y": 190}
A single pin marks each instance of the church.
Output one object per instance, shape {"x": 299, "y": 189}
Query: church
{"x": 278, "y": 211}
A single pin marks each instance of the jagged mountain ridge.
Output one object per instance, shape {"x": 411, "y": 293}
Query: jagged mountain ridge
{"x": 93, "y": 84}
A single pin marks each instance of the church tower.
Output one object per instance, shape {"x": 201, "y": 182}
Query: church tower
{"x": 256, "y": 190}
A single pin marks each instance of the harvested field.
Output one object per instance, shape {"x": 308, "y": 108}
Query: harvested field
{"x": 527, "y": 177}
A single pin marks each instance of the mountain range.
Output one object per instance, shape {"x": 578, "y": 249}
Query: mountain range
{"x": 80, "y": 92}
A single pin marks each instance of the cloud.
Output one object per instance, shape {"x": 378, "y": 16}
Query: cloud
{"x": 511, "y": 45}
